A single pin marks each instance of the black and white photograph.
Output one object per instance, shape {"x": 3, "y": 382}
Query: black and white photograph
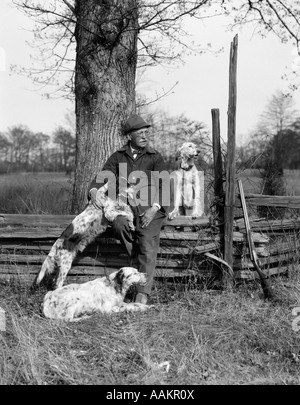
{"x": 149, "y": 195}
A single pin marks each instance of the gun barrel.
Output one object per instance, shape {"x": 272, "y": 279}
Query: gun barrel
{"x": 253, "y": 255}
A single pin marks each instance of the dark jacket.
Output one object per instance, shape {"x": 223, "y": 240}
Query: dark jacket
{"x": 145, "y": 171}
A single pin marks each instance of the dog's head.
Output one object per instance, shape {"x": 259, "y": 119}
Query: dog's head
{"x": 126, "y": 277}
{"x": 186, "y": 153}
{"x": 101, "y": 198}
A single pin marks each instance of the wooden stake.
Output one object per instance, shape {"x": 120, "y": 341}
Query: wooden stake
{"x": 230, "y": 164}
{"x": 218, "y": 166}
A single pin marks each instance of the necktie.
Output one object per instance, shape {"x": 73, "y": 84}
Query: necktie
{"x": 135, "y": 152}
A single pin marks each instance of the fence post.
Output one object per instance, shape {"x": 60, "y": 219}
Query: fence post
{"x": 218, "y": 167}
{"x": 230, "y": 164}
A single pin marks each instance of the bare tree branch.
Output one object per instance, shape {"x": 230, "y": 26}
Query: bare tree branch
{"x": 159, "y": 25}
{"x": 70, "y": 7}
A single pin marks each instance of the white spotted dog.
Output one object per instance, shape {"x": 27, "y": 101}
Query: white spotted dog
{"x": 85, "y": 227}
{"x": 73, "y": 302}
{"x": 187, "y": 199}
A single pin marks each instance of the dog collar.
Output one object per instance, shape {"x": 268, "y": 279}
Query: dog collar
{"x": 187, "y": 168}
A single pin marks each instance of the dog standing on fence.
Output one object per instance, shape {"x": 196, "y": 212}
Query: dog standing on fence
{"x": 73, "y": 302}
{"x": 188, "y": 199}
{"x": 85, "y": 227}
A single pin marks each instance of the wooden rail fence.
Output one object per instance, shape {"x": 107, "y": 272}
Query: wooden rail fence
{"x": 25, "y": 240}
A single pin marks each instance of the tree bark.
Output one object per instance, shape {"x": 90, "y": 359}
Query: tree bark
{"x": 106, "y": 57}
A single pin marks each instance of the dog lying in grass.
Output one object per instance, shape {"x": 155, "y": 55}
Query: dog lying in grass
{"x": 73, "y": 302}
{"x": 188, "y": 189}
{"x": 84, "y": 228}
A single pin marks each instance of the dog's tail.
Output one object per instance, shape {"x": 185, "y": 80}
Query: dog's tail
{"x": 47, "y": 268}
{"x": 48, "y": 265}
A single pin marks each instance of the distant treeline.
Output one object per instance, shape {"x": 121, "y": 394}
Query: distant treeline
{"x": 24, "y": 150}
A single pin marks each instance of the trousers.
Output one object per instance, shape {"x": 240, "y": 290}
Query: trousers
{"x": 141, "y": 245}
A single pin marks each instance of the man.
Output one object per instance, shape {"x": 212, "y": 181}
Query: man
{"x": 138, "y": 161}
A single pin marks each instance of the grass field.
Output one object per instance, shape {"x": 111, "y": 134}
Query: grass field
{"x": 292, "y": 178}
{"x": 193, "y": 335}
{"x": 35, "y": 193}
{"x": 253, "y": 182}
{"x": 50, "y": 193}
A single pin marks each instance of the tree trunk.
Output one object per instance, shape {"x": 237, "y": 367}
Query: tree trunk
{"x": 106, "y": 35}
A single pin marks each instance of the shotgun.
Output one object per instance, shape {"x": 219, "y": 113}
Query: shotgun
{"x": 266, "y": 287}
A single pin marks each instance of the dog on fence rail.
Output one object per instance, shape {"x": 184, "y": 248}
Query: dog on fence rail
{"x": 85, "y": 227}
{"x": 188, "y": 199}
{"x": 73, "y": 302}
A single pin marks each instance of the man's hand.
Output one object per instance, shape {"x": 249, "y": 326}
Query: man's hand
{"x": 148, "y": 215}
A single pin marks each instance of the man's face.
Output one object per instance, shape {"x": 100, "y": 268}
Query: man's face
{"x": 139, "y": 138}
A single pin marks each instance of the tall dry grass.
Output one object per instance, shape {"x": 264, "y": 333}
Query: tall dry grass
{"x": 194, "y": 336}
{"x": 292, "y": 182}
{"x": 35, "y": 193}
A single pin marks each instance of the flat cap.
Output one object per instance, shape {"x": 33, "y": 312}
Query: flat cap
{"x": 134, "y": 123}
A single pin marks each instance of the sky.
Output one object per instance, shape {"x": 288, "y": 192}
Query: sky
{"x": 202, "y": 79}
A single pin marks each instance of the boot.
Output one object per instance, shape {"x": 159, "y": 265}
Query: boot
{"x": 141, "y": 298}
